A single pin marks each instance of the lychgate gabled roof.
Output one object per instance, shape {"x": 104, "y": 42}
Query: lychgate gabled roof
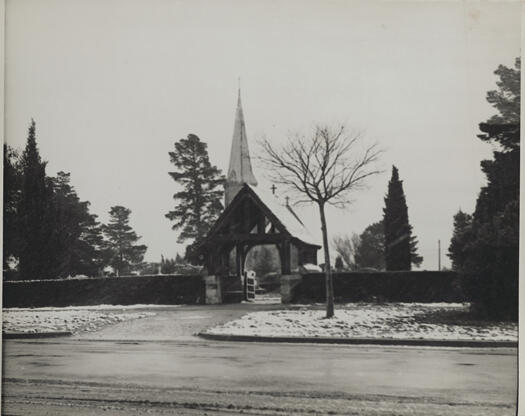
{"x": 286, "y": 216}
{"x": 279, "y": 218}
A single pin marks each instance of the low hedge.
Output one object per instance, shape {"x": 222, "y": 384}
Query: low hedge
{"x": 163, "y": 289}
{"x": 404, "y": 286}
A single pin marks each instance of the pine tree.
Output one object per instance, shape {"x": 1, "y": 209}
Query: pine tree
{"x": 35, "y": 214}
{"x": 400, "y": 245}
{"x": 199, "y": 201}
{"x": 124, "y": 254}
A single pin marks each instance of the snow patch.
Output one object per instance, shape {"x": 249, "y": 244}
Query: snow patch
{"x": 394, "y": 321}
{"x": 73, "y": 320}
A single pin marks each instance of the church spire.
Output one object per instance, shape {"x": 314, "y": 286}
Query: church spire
{"x": 240, "y": 169}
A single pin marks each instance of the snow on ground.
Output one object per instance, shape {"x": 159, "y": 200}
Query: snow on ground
{"x": 94, "y": 307}
{"x": 366, "y": 320}
{"x": 71, "y": 319}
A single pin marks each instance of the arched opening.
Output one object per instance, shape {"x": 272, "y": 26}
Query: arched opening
{"x": 265, "y": 261}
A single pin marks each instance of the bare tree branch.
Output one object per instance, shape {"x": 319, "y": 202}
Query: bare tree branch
{"x": 345, "y": 246}
{"x": 325, "y": 167}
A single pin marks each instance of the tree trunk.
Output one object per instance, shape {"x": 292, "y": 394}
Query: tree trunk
{"x": 327, "y": 266}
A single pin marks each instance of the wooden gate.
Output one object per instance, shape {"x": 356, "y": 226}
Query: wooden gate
{"x": 249, "y": 285}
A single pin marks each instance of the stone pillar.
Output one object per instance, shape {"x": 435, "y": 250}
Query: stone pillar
{"x": 213, "y": 290}
{"x": 288, "y": 284}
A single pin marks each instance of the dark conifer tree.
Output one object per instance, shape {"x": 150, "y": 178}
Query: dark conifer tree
{"x": 460, "y": 238}
{"x": 124, "y": 255}
{"x": 491, "y": 261}
{"x": 35, "y": 214}
{"x": 415, "y": 258}
{"x": 77, "y": 237}
{"x": 370, "y": 252}
{"x": 400, "y": 245}
{"x": 48, "y": 229}
{"x": 66, "y": 224}
{"x": 168, "y": 266}
{"x": 199, "y": 201}
{"x": 89, "y": 253}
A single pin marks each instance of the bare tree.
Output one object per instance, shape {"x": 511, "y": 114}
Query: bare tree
{"x": 322, "y": 168}
{"x": 345, "y": 246}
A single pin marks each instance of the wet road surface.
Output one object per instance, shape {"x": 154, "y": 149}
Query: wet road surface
{"x": 131, "y": 369}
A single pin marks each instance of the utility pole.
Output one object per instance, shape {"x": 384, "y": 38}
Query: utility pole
{"x": 439, "y": 255}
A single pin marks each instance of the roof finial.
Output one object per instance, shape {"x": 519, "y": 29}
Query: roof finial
{"x": 238, "y": 90}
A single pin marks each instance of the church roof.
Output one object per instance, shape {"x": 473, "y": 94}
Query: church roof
{"x": 240, "y": 169}
{"x": 287, "y": 216}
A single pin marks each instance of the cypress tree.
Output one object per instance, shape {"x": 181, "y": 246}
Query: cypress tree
{"x": 400, "y": 245}
{"x": 36, "y": 254}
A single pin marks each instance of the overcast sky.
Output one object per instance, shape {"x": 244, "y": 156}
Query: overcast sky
{"x": 113, "y": 84}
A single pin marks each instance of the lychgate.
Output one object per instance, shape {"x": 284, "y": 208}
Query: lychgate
{"x": 252, "y": 217}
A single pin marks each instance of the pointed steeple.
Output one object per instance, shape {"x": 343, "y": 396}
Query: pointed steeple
{"x": 240, "y": 169}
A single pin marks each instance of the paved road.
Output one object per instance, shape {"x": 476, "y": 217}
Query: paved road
{"x": 139, "y": 371}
